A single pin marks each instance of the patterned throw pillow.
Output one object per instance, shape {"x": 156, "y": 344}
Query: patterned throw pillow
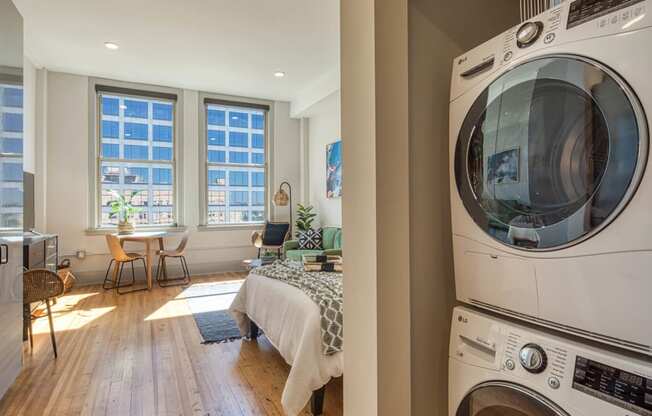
{"x": 310, "y": 240}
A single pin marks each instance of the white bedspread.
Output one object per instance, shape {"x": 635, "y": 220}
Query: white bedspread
{"x": 291, "y": 321}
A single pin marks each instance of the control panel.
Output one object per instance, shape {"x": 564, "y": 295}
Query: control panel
{"x": 621, "y": 388}
{"x": 582, "y": 11}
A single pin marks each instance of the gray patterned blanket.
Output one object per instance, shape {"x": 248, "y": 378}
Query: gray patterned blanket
{"x": 324, "y": 288}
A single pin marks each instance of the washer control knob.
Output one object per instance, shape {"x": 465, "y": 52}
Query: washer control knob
{"x": 509, "y": 364}
{"x": 533, "y": 358}
{"x": 528, "y": 33}
{"x": 553, "y": 382}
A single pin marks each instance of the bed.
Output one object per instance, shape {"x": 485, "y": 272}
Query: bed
{"x": 291, "y": 320}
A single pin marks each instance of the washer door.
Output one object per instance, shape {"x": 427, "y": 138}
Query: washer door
{"x": 551, "y": 152}
{"x": 505, "y": 399}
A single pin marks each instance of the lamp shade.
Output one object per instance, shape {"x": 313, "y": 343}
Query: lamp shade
{"x": 281, "y": 198}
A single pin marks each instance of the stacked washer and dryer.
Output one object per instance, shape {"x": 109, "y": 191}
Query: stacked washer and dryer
{"x": 552, "y": 215}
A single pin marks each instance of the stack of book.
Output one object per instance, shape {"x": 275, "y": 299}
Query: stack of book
{"x": 319, "y": 263}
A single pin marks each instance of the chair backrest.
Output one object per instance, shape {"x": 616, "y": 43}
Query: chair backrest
{"x": 183, "y": 243}
{"x": 275, "y": 233}
{"x": 41, "y": 284}
{"x": 116, "y": 250}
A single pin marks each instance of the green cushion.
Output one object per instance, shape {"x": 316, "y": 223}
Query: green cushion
{"x": 296, "y": 255}
{"x": 337, "y": 244}
{"x": 328, "y": 237}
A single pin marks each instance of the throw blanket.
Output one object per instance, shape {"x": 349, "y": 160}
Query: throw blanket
{"x": 324, "y": 288}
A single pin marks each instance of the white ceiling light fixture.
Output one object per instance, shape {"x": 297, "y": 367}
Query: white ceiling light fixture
{"x": 111, "y": 45}
{"x": 279, "y": 74}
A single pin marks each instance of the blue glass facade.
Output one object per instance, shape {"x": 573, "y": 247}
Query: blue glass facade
{"x": 216, "y": 117}
{"x": 162, "y": 111}
{"x": 136, "y": 131}
{"x": 136, "y": 109}
{"x": 11, "y": 151}
{"x": 238, "y": 139}
{"x": 217, "y": 156}
{"x": 162, "y": 133}
{"x": 238, "y": 157}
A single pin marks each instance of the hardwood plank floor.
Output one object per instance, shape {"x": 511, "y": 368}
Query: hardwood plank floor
{"x": 141, "y": 354}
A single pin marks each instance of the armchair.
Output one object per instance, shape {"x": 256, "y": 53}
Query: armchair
{"x": 272, "y": 237}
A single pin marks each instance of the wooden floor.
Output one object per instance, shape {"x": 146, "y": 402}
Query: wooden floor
{"x": 141, "y": 354}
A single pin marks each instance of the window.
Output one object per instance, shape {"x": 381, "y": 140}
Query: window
{"x": 137, "y": 156}
{"x": 235, "y": 163}
{"x": 11, "y": 155}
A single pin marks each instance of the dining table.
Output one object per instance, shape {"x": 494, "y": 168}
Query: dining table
{"x": 148, "y": 238}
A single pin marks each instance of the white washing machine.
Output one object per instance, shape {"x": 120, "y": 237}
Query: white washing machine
{"x": 497, "y": 368}
{"x": 551, "y": 199}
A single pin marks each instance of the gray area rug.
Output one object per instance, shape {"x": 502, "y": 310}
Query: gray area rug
{"x": 209, "y": 304}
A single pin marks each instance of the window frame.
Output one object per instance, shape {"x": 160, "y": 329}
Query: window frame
{"x": 132, "y": 90}
{"x": 204, "y": 164}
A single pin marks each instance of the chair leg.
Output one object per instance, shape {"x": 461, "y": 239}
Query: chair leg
{"x": 54, "y": 341}
{"x": 133, "y": 279}
{"x": 159, "y": 267}
{"x": 177, "y": 281}
{"x": 259, "y": 253}
{"x": 106, "y": 277}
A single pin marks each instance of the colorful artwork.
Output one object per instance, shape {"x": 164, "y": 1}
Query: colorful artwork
{"x": 334, "y": 170}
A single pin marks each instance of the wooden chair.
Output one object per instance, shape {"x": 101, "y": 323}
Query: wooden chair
{"x": 162, "y": 271}
{"x": 40, "y": 285}
{"x": 119, "y": 259}
{"x": 272, "y": 237}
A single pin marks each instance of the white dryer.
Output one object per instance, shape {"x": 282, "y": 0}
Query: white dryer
{"x": 499, "y": 368}
{"x": 551, "y": 200}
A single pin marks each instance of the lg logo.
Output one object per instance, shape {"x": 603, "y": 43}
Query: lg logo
{"x": 461, "y": 60}
{"x": 462, "y": 319}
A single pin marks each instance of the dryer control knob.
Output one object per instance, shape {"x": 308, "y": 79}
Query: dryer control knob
{"x": 528, "y": 33}
{"x": 533, "y": 358}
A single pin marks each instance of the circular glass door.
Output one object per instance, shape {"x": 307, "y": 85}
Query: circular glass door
{"x": 506, "y": 399}
{"x": 551, "y": 152}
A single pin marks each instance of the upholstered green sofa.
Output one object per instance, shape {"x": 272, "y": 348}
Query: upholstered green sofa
{"x": 331, "y": 244}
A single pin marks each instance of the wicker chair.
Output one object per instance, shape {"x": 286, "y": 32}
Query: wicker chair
{"x": 119, "y": 259}
{"x": 41, "y": 285}
{"x": 162, "y": 270}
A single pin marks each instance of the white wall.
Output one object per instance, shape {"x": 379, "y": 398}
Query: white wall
{"x": 67, "y": 181}
{"x": 323, "y": 120}
{"x": 29, "y": 116}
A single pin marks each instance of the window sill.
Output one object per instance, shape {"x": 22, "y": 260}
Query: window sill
{"x": 112, "y": 230}
{"x": 233, "y": 227}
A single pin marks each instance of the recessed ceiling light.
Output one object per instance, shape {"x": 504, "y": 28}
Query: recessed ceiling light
{"x": 111, "y": 45}
{"x": 279, "y": 74}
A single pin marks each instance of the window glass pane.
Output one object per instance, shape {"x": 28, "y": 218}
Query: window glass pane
{"x": 136, "y": 175}
{"x": 216, "y": 138}
{"x": 257, "y": 158}
{"x": 257, "y": 121}
{"x": 162, "y": 111}
{"x": 238, "y": 178}
{"x": 239, "y": 198}
{"x": 110, "y": 129}
{"x": 137, "y": 109}
{"x": 162, "y": 153}
{"x": 257, "y": 179}
{"x": 133, "y": 152}
{"x": 161, "y": 176}
{"x": 135, "y": 131}
{"x": 215, "y": 117}
{"x": 12, "y": 97}
{"x": 12, "y": 146}
{"x": 237, "y": 119}
{"x": 12, "y": 172}
{"x": 216, "y": 198}
{"x": 110, "y": 151}
{"x": 257, "y": 141}
{"x": 110, "y": 174}
{"x": 258, "y": 198}
{"x": 162, "y": 133}
{"x": 238, "y": 157}
{"x": 110, "y": 106}
{"x": 217, "y": 156}
{"x": 12, "y": 122}
{"x": 238, "y": 139}
{"x": 216, "y": 177}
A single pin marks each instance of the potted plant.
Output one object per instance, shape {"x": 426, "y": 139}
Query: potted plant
{"x": 123, "y": 209}
{"x": 305, "y": 217}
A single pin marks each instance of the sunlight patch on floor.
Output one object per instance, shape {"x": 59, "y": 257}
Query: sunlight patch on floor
{"x": 70, "y": 321}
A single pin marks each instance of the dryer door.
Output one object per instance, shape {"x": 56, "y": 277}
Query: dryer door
{"x": 551, "y": 152}
{"x": 498, "y": 398}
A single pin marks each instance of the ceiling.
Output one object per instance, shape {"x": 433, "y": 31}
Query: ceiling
{"x": 226, "y": 46}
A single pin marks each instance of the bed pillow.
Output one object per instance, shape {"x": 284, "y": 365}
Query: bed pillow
{"x": 310, "y": 240}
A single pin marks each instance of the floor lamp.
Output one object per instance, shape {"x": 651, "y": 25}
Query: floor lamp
{"x": 282, "y": 198}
